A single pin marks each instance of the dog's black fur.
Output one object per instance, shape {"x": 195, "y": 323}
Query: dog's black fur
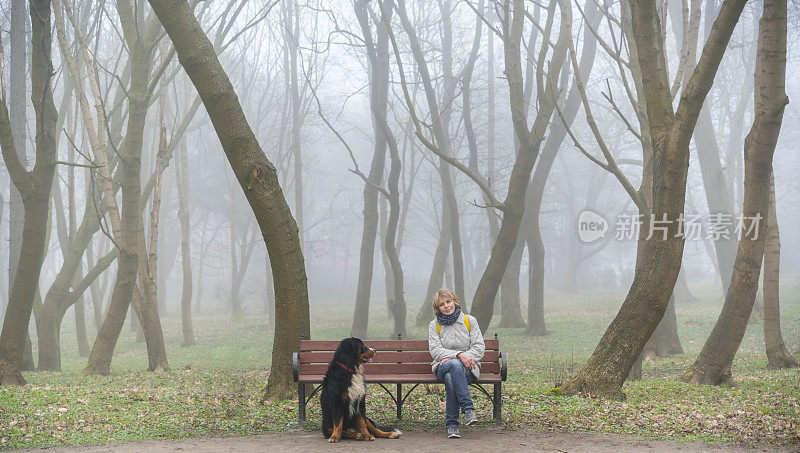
{"x": 343, "y": 395}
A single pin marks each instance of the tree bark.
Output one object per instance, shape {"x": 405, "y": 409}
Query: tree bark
{"x": 258, "y": 179}
{"x": 34, "y": 188}
{"x": 648, "y": 297}
{"x": 778, "y": 355}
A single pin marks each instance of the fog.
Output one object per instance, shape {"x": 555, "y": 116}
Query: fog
{"x": 326, "y": 97}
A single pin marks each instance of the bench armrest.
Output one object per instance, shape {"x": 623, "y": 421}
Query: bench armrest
{"x": 503, "y": 366}
{"x": 295, "y": 366}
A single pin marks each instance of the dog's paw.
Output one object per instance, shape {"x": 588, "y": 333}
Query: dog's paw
{"x": 394, "y": 435}
{"x": 371, "y": 437}
{"x": 359, "y": 436}
{"x": 333, "y": 439}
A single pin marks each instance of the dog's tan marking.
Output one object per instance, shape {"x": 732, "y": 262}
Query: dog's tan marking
{"x": 361, "y": 426}
{"x": 337, "y": 431}
{"x": 378, "y": 433}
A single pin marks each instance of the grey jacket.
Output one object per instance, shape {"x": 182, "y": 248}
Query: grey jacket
{"x": 456, "y": 338}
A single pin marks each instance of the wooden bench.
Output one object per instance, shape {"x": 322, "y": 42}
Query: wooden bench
{"x": 396, "y": 362}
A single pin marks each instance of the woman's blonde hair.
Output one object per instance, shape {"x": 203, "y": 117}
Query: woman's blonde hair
{"x": 442, "y": 293}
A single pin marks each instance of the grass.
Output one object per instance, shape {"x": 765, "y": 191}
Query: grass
{"x": 214, "y": 388}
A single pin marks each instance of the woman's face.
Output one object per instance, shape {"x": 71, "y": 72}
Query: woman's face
{"x": 446, "y": 306}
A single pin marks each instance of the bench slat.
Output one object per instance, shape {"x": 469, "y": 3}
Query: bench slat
{"x": 401, "y": 378}
{"x": 389, "y": 357}
{"x": 393, "y": 368}
{"x": 383, "y": 345}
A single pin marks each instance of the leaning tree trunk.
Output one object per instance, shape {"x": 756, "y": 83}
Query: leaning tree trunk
{"x": 713, "y": 365}
{"x": 648, "y": 297}
{"x": 778, "y": 356}
{"x": 258, "y": 179}
{"x": 34, "y": 187}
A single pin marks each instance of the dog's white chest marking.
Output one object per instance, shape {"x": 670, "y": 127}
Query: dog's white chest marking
{"x": 357, "y": 391}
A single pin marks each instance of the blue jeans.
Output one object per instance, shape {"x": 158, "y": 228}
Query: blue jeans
{"x": 456, "y": 380}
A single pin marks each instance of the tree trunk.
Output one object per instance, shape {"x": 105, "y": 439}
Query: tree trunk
{"x": 778, "y": 356}
{"x": 437, "y": 270}
{"x": 97, "y": 292}
{"x": 131, "y": 228}
{"x": 648, "y": 297}
{"x": 182, "y": 181}
{"x": 148, "y": 269}
{"x": 536, "y": 324}
{"x": 34, "y": 187}
{"x": 292, "y": 36}
{"x": 388, "y": 274}
{"x": 510, "y": 308}
{"x": 664, "y": 341}
{"x": 530, "y": 143}
{"x": 258, "y": 179}
{"x": 17, "y": 112}
{"x": 441, "y": 126}
{"x": 378, "y": 55}
{"x": 713, "y": 365}
{"x": 398, "y": 307}
{"x": 17, "y": 108}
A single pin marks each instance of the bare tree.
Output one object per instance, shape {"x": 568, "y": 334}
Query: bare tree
{"x": 377, "y": 53}
{"x": 713, "y": 364}
{"x": 34, "y": 187}
{"x": 258, "y": 179}
{"x": 671, "y": 130}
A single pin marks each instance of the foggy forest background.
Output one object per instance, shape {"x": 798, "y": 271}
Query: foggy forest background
{"x": 306, "y": 74}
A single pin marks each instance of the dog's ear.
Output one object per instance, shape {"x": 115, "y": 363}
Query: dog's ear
{"x": 361, "y": 348}
{"x": 348, "y": 348}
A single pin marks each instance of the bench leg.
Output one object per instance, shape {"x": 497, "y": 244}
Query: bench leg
{"x": 399, "y": 401}
{"x": 301, "y": 403}
{"x": 497, "y": 403}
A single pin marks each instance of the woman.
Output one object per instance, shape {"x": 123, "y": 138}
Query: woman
{"x": 456, "y": 345}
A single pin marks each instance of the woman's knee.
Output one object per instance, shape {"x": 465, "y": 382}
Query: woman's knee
{"x": 448, "y": 380}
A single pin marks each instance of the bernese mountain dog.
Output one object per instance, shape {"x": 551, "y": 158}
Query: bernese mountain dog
{"x": 343, "y": 396}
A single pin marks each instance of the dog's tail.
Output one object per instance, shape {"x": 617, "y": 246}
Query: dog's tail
{"x": 388, "y": 429}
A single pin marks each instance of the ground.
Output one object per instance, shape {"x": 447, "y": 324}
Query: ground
{"x": 481, "y": 439}
{"x": 210, "y": 401}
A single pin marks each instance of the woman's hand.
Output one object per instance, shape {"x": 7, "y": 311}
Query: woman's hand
{"x": 445, "y": 360}
{"x": 466, "y": 360}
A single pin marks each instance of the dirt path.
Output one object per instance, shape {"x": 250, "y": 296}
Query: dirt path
{"x": 481, "y": 439}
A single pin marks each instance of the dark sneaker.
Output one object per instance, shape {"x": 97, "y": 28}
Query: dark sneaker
{"x": 470, "y": 417}
{"x": 452, "y": 432}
